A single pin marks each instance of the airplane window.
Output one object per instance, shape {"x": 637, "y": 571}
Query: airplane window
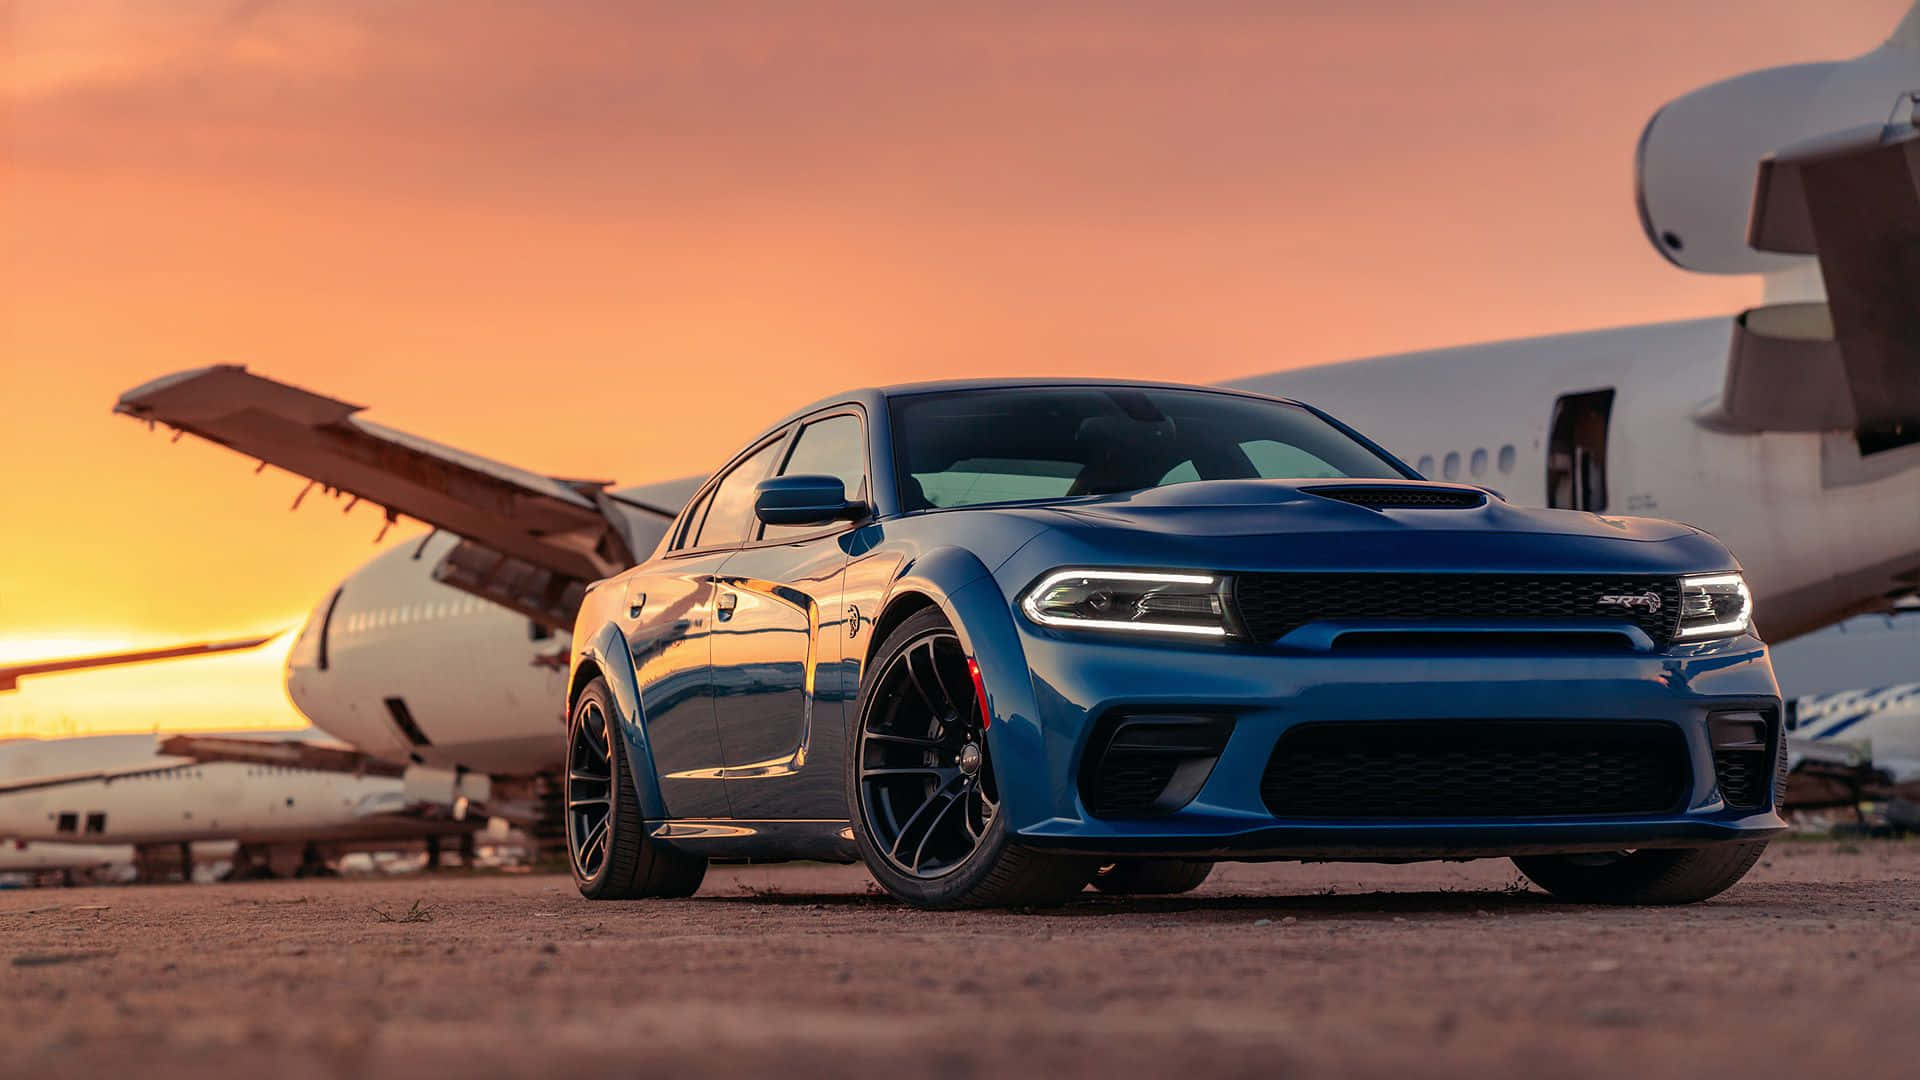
{"x": 1506, "y": 458}
{"x": 1451, "y": 467}
{"x": 1477, "y": 465}
{"x": 96, "y": 822}
{"x": 68, "y": 822}
{"x": 1425, "y": 467}
{"x": 837, "y": 447}
{"x": 730, "y": 514}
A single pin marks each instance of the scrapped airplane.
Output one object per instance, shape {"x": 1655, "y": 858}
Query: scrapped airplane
{"x": 1853, "y": 703}
{"x": 153, "y": 797}
{"x": 1791, "y": 431}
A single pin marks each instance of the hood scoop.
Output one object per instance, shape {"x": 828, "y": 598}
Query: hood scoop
{"x": 1398, "y": 497}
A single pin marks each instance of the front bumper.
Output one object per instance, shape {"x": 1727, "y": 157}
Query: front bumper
{"x": 1043, "y": 724}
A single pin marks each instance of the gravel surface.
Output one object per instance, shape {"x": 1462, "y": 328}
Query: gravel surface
{"x": 1429, "y": 970}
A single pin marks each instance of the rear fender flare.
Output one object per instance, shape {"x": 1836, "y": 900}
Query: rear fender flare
{"x": 607, "y": 650}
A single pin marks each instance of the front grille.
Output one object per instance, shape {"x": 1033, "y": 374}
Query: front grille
{"x": 1273, "y": 605}
{"x": 1403, "y": 498}
{"x": 1438, "y": 769}
{"x": 1143, "y": 765}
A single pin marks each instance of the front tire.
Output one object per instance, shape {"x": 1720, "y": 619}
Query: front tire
{"x": 1151, "y": 877}
{"x": 1654, "y": 876}
{"x": 921, "y": 789}
{"x": 608, "y": 848}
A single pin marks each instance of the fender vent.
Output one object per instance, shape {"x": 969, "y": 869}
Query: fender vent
{"x": 1403, "y": 498}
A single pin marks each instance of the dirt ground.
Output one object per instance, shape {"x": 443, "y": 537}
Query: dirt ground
{"x": 1432, "y": 970}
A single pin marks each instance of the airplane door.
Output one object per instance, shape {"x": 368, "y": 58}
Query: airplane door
{"x": 1577, "y": 451}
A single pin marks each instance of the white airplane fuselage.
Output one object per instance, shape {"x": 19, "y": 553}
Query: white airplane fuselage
{"x": 30, "y": 857}
{"x": 1773, "y": 497}
{"x": 185, "y": 801}
{"x": 420, "y": 673}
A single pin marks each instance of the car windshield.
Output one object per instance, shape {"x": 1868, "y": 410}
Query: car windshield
{"x": 966, "y": 447}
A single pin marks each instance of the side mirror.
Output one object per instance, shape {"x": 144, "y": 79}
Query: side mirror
{"x": 804, "y": 500}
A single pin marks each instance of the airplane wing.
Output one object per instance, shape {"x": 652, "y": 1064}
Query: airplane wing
{"x": 1849, "y": 198}
{"x": 287, "y": 753}
{"x": 10, "y": 676}
{"x": 531, "y": 542}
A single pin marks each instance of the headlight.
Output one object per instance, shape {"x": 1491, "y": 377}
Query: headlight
{"x": 1714, "y": 605}
{"x": 1133, "y": 600}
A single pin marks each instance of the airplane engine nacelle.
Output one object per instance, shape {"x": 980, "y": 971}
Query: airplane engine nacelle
{"x": 1699, "y": 154}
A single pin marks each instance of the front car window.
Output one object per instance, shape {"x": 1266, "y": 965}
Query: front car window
{"x": 835, "y": 446}
{"x": 966, "y": 447}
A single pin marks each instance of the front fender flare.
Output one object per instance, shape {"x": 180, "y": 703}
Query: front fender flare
{"x": 607, "y": 650}
{"x": 966, "y": 592}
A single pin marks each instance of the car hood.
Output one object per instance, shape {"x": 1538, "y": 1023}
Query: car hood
{"x": 1226, "y": 508}
{"x": 1297, "y": 525}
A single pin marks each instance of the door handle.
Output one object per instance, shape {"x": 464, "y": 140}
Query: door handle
{"x": 724, "y": 606}
{"x": 636, "y": 603}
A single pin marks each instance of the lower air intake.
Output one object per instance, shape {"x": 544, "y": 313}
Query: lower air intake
{"x": 1146, "y": 765}
{"x": 1452, "y": 769}
{"x": 1743, "y": 776}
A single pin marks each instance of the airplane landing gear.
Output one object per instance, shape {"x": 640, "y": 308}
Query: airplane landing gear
{"x": 313, "y": 863}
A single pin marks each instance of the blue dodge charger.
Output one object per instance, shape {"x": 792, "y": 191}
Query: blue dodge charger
{"x": 1005, "y": 640}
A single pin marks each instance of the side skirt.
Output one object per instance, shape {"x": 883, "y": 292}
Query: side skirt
{"x": 743, "y": 839}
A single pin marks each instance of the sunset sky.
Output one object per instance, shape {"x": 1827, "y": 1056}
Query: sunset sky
{"x": 611, "y": 239}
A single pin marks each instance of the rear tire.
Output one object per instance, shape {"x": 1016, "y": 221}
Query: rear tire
{"x": 1151, "y": 877}
{"x": 1653, "y": 876}
{"x": 920, "y": 785}
{"x": 608, "y": 848}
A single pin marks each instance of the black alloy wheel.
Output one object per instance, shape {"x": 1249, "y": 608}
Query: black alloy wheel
{"x": 921, "y": 785}
{"x": 608, "y": 846}
{"x": 589, "y": 789}
{"x": 926, "y": 784}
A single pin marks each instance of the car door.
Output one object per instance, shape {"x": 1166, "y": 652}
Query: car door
{"x": 668, "y": 617}
{"x": 778, "y": 639}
